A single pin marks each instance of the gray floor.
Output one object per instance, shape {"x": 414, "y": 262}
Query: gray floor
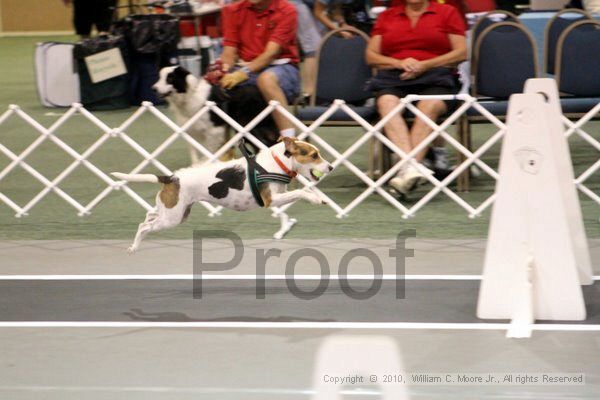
{"x": 176, "y": 256}
{"x": 173, "y": 301}
{"x": 253, "y": 364}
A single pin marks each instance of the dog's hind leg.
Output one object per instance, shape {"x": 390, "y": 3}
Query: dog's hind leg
{"x": 143, "y": 230}
{"x": 157, "y": 221}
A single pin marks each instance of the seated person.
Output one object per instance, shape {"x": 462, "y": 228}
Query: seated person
{"x": 478, "y": 6}
{"x": 334, "y": 14}
{"x": 416, "y": 46}
{"x": 315, "y": 19}
{"x": 310, "y": 32}
{"x": 259, "y": 39}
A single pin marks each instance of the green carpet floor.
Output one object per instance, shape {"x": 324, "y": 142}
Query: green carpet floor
{"x": 117, "y": 216}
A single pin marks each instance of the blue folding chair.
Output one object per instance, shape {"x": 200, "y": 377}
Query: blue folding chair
{"x": 488, "y": 19}
{"x": 504, "y": 57}
{"x": 578, "y": 59}
{"x": 578, "y": 67}
{"x": 555, "y": 27}
{"x": 342, "y": 73}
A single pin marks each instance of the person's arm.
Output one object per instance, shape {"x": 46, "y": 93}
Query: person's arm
{"x": 321, "y": 13}
{"x": 265, "y": 58}
{"x": 458, "y": 44}
{"x": 374, "y": 57}
{"x": 231, "y": 37}
{"x": 229, "y": 57}
{"x": 258, "y": 64}
{"x": 283, "y": 34}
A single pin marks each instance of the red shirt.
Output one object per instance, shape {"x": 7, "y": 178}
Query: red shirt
{"x": 428, "y": 39}
{"x": 249, "y": 30}
{"x": 480, "y": 5}
{"x": 460, "y": 5}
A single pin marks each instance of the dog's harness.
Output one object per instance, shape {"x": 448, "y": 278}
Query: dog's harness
{"x": 257, "y": 174}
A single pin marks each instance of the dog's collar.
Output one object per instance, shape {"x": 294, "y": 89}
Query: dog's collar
{"x": 290, "y": 173}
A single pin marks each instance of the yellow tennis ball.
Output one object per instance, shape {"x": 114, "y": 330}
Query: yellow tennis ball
{"x": 317, "y": 173}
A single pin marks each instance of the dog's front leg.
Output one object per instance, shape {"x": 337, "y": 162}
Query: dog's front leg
{"x": 281, "y": 199}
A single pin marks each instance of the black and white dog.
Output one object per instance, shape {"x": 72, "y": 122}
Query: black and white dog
{"x": 241, "y": 184}
{"x": 187, "y": 94}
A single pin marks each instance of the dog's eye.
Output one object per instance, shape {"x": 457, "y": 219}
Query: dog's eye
{"x": 315, "y": 156}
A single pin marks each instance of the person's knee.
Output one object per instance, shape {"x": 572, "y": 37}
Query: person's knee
{"x": 432, "y": 108}
{"x": 386, "y": 103}
{"x": 267, "y": 80}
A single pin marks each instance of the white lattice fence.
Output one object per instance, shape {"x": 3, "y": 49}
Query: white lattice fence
{"x": 340, "y": 158}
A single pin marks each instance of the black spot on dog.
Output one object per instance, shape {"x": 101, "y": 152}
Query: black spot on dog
{"x": 177, "y": 78}
{"x": 230, "y": 178}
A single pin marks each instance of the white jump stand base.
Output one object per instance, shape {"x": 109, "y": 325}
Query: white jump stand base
{"x": 536, "y": 259}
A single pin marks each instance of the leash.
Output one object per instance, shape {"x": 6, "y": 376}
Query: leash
{"x": 257, "y": 175}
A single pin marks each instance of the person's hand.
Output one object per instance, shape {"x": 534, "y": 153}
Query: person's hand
{"x": 233, "y": 79}
{"x": 215, "y": 72}
{"x": 412, "y": 68}
{"x": 408, "y": 64}
{"x": 346, "y": 34}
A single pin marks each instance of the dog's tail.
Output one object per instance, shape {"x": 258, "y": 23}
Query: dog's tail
{"x": 149, "y": 178}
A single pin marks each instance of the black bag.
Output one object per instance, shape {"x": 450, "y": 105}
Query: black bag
{"x": 390, "y": 78}
{"x": 111, "y": 94}
{"x": 152, "y": 41}
{"x": 150, "y": 33}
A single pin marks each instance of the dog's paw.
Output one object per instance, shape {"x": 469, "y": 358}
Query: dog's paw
{"x": 313, "y": 197}
{"x": 131, "y": 249}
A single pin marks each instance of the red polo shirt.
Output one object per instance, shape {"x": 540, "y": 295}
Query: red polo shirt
{"x": 460, "y": 5}
{"x": 428, "y": 39}
{"x": 480, "y": 5}
{"x": 249, "y": 30}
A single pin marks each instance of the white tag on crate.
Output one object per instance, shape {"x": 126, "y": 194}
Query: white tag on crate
{"x": 105, "y": 65}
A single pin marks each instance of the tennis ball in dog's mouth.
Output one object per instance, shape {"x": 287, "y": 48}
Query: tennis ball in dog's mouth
{"x": 317, "y": 173}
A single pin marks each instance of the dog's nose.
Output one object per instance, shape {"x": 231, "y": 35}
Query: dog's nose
{"x": 330, "y": 167}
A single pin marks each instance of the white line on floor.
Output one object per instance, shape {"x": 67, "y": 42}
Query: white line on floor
{"x": 235, "y": 277}
{"x": 362, "y": 392}
{"x": 194, "y": 390}
{"x": 226, "y": 277}
{"x": 293, "y": 325}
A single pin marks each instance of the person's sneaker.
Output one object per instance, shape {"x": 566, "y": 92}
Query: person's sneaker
{"x": 409, "y": 178}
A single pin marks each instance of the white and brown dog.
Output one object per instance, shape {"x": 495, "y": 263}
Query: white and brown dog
{"x": 229, "y": 184}
{"x": 186, "y": 95}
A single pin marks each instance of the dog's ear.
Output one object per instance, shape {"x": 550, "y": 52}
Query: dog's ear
{"x": 178, "y": 78}
{"x": 290, "y": 146}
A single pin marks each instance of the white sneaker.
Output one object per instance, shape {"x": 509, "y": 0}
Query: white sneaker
{"x": 408, "y": 179}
